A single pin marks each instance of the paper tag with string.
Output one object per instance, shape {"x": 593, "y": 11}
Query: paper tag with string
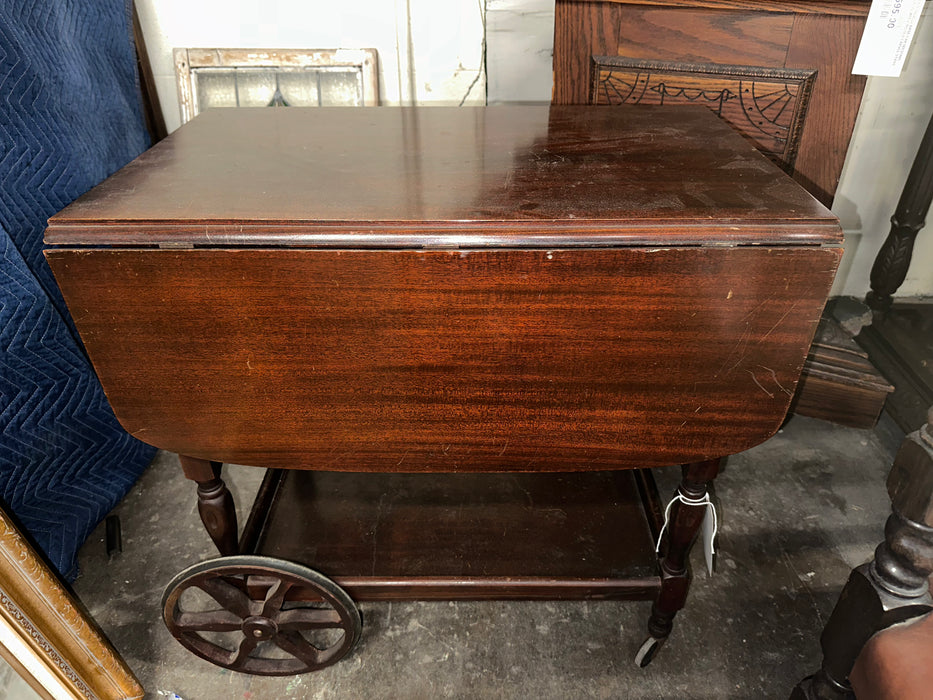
{"x": 708, "y": 529}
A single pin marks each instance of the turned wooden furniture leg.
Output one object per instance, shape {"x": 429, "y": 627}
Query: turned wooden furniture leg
{"x": 892, "y": 588}
{"x": 893, "y": 259}
{"x": 215, "y": 503}
{"x": 686, "y": 516}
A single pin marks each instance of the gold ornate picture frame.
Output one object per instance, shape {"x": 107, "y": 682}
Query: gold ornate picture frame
{"x": 45, "y": 635}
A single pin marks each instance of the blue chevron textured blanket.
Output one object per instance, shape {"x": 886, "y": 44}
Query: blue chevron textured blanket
{"x": 69, "y": 116}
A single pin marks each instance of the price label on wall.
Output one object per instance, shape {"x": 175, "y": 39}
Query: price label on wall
{"x": 888, "y": 32}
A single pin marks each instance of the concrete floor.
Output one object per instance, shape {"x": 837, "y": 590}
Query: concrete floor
{"x": 796, "y": 513}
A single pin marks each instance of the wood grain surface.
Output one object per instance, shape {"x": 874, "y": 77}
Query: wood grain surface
{"x": 828, "y": 44}
{"x": 478, "y": 360}
{"x": 821, "y": 37}
{"x": 447, "y": 177}
{"x": 467, "y": 536}
{"x": 851, "y": 8}
{"x": 690, "y": 34}
{"x": 701, "y": 35}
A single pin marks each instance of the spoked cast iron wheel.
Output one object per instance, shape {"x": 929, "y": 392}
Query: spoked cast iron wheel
{"x": 261, "y": 615}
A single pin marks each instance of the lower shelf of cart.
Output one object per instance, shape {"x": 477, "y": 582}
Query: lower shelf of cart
{"x": 587, "y": 535}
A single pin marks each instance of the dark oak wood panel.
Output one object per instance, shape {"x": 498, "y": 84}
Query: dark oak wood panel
{"x": 821, "y": 38}
{"x": 449, "y": 361}
{"x": 467, "y": 536}
{"x": 854, "y": 8}
{"x": 397, "y": 177}
{"x": 701, "y": 36}
{"x": 691, "y": 35}
{"x": 839, "y": 384}
{"x": 828, "y": 44}
{"x": 900, "y": 343}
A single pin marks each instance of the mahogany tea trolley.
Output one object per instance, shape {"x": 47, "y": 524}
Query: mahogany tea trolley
{"x": 457, "y": 338}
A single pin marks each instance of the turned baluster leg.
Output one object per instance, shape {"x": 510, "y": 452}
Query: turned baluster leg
{"x": 215, "y": 503}
{"x": 893, "y": 259}
{"x": 892, "y": 588}
{"x": 682, "y": 529}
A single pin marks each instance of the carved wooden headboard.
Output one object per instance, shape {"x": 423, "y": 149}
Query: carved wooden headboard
{"x": 779, "y": 72}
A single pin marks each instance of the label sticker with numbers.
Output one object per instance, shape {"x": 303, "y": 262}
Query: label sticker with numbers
{"x": 889, "y": 31}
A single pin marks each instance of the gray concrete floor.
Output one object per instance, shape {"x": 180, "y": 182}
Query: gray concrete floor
{"x": 796, "y": 513}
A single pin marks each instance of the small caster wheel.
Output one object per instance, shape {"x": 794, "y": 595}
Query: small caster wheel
{"x": 648, "y": 650}
{"x": 260, "y": 615}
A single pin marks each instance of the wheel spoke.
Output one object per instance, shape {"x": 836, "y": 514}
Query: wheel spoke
{"x": 242, "y": 653}
{"x": 236, "y": 612}
{"x": 229, "y": 596}
{"x": 212, "y": 621}
{"x": 299, "y": 647}
{"x": 309, "y": 619}
{"x": 275, "y": 597}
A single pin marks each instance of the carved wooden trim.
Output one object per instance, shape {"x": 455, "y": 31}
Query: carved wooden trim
{"x": 768, "y": 105}
{"x": 52, "y": 625}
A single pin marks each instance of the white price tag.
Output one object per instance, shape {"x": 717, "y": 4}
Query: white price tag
{"x": 708, "y": 528}
{"x": 710, "y": 525}
{"x": 888, "y": 32}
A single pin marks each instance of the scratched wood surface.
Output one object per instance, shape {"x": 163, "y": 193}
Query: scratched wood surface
{"x": 476, "y": 360}
{"x": 821, "y": 37}
{"x": 426, "y": 177}
{"x": 437, "y": 289}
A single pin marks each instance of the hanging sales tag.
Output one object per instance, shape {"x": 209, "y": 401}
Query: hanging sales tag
{"x": 710, "y": 525}
{"x": 888, "y": 33}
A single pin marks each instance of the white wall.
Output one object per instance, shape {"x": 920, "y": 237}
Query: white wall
{"x": 519, "y": 47}
{"x": 894, "y": 114}
{"x": 429, "y": 52}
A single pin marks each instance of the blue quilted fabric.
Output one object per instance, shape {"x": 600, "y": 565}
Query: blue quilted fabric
{"x": 69, "y": 116}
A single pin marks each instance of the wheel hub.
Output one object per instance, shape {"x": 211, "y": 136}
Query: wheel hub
{"x": 259, "y": 628}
